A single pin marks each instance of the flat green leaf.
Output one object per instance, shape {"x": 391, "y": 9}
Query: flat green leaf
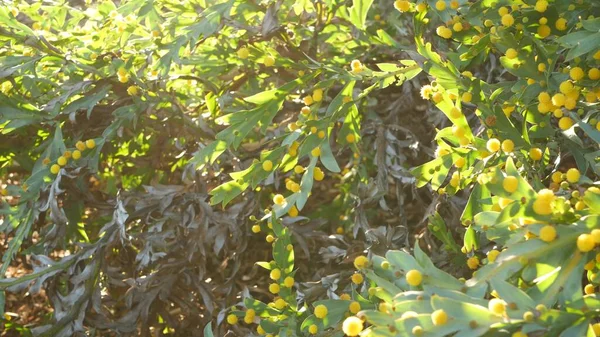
{"x": 358, "y": 12}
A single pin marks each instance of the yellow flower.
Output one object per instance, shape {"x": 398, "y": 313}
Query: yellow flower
{"x": 548, "y": 233}
{"x": 278, "y": 199}
{"x": 354, "y": 307}
{"x": 473, "y": 262}
{"x": 414, "y": 277}
{"x": 444, "y": 32}
{"x": 317, "y": 95}
{"x": 497, "y": 306}
{"x": 275, "y": 274}
{"x": 507, "y": 20}
{"x": 541, "y": 6}
{"x": 510, "y": 184}
{"x": 439, "y": 317}
{"x": 440, "y": 5}
{"x": 511, "y": 53}
{"x": 288, "y": 282}
{"x": 585, "y": 242}
{"x": 90, "y": 143}
{"x": 232, "y": 319}
{"x": 493, "y": 145}
{"x": 361, "y": 262}
{"x": 269, "y": 61}
{"x": 357, "y": 278}
{"x": 535, "y": 153}
{"x": 576, "y": 73}
{"x": 573, "y": 175}
{"x": 320, "y": 311}
{"x": 352, "y": 326}
{"x": 318, "y": 174}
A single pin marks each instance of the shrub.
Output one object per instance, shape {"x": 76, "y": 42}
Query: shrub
{"x": 128, "y": 127}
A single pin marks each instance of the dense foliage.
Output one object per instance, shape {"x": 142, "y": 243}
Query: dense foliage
{"x": 256, "y": 165}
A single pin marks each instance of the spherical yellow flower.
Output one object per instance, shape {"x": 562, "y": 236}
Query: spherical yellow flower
{"x": 544, "y": 31}
{"x": 313, "y": 329}
{"x": 594, "y": 74}
{"x": 414, "y": 277}
{"x": 320, "y": 311}
{"x": 269, "y": 61}
{"x": 318, "y": 174}
{"x": 275, "y": 274}
{"x": 561, "y": 24}
{"x": 511, "y": 53}
{"x": 354, "y": 307}
{"x": 492, "y": 255}
{"x": 352, "y": 326}
{"x": 493, "y": 145}
{"x": 497, "y": 306}
{"x": 585, "y": 242}
{"x": 356, "y": 66}
{"x": 232, "y": 319}
{"x": 455, "y": 113}
{"x": 460, "y": 162}
{"x": 280, "y": 303}
{"x": 274, "y": 288}
{"x": 243, "y": 53}
{"x": 444, "y": 32}
{"x": 440, "y": 5}
{"x": 267, "y": 165}
{"x": 256, "y": 229}
{"x": 317, "y": 95}
{"x": 270, "y": 238}
{"x": 402, "y": 5}
{"x": 315, "y": 152}
{"x": 589, "y": 289}
{"x": 62, "y": 161}
{"x": 559, "y": 99}
{"x": 249, "y": 316}
{"x": 132, "y": 90}
{"x": 535, "y": 153}
{"x": 467, "y": 97}
{"x": 80, "y": 146}
{"x": 357, "y": 278}
{"x": 507, "y": 20}
{"x": 473, "y": 262}
{"x": 293, "y": 211}
{"x": 458, "y": 27}
{"x": 308, "y": 100}
{"x": 439, "y": 317}
{"x": 576, "y": 73}
{"x": 565, "y": 123}
{"x": 350, "y": 138}
{"x": 288, "y": 282}
{"x": 541, "y": 6}
{"x": 573, "y": 175}
{"x": 548, "y": 233}
{"x": 361, "y": 262}
{"x": 508, "y": 146}
{"x": 279, "y": 199}
{"x": 510, "y": 184}
{"x": 54, "y": 169}
{"x": 90, "y": 143}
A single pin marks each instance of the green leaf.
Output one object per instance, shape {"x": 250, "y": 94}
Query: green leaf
{"x": 402, "y": 260}
{"x": 224, "y": 193}
{"x": 327, "y": 158}
{"x": 471, "y": 242}
{"x": 208, "y": 154}
{"x": 358, "y": 12}
{"x": 208, "y": 330}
